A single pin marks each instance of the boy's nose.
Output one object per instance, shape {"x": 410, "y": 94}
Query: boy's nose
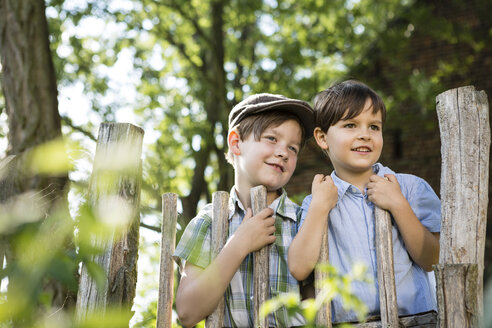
{"x": 282, "y": 152}
{"x": 364, "y": 134}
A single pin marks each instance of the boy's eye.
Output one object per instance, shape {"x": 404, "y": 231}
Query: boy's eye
{"x": 271, "y": 138}
{"x": 294, "y": 149}
{"x": 349, "y": 125}
{"x": 375, "y": 127}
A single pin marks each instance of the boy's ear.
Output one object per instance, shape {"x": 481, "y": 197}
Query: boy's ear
{"x": 233, "y": 142}
{"x": 320, "y": 137}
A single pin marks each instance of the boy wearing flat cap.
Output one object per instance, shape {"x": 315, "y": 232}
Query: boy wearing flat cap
{"x": 266, "y": 133}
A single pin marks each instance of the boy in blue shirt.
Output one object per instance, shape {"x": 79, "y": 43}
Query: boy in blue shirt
{"x": 349, "y": 122}
{"x": 266, "y": 133}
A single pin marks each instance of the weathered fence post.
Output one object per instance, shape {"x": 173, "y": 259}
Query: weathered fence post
{"x": 114, "y": 196}
{"x": 465, "y": 142}
{"x": 261, "y": 275}
{"x": 457, "y": 291}
{"x": 323, "y": 317}
{"x": 166, "y": 273}
{"x": 386, "y": 270}
{"x": 220, "y": 230}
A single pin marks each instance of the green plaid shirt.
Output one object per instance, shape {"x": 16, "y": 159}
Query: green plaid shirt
{"x": 195, "y": 244}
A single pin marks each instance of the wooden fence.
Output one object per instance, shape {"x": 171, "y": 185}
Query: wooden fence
{"x": 465, "y": 137}
{"x": 116, "y": 180}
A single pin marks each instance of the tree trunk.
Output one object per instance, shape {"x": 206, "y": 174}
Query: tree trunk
{"x": 198, "y": 183}
{"x": 218, "y": 111}
{"x": 28, "y": 77}
{"x": 29, "y": 88}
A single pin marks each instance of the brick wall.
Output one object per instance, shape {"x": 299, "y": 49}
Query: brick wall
{"x": 414, "y": 147}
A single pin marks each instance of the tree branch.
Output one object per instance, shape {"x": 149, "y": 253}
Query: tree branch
{"x": 68, "y": 121}
{"x": 193, "y": 19}
{"x": 180, "y": 46}
{"x": 150, "y": 227}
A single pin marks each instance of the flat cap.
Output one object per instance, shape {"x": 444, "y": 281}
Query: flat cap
{"x": 263, "y": 102}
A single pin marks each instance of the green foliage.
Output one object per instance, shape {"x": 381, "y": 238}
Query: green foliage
{"x": 189, "y": 62}
{"x": 402, "y": 59}
{"x": 35, "y": 231}
{"x": 43, "y": 248}
{"x": 39, "y": 256}
{"x": 334, "y": 284}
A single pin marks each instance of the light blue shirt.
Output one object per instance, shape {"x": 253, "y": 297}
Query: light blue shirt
{"x": 352, "y": 239}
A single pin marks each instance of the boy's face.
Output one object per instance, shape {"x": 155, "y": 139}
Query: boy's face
{"x": 271, "y": 160}
{"x": 354, "y": 145}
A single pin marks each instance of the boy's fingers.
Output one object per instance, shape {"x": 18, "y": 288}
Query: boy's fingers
{"x": 328, "y": 179}
{"x": 249, "y": 214}
{"x": 269, "y": 221}
{"x": 266, "y": 212}
{"x": 390, "y": 177}
{"x": 318, "y": 178}
{"x": 374, "y": 178}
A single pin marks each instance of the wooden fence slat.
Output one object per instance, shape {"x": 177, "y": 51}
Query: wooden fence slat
{"x": 166, "y": 272}
{"x": 421, "y": 320}
{"x": 220, "y": 229}
{"x": 323, "y": 317}
{"x": 465, "y": 142}
{"x": 386, "y": 271}
{"x": 456, "y": 294}
{"x": 115, "y": 182}
{"x": 261, "y": 261}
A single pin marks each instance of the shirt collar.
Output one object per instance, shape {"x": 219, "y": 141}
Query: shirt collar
{"x": 343, "y": 186}
{"x": 282, "y": 205}
{"x": 234, "y": 203}
{"x": 381, "y": 170}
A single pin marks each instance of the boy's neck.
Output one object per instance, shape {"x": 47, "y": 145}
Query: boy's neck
{"x": 357, "y": 179}
{"x": 244, "y": 195}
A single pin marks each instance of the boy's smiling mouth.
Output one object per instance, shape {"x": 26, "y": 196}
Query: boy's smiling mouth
{"x": 277, "y": 167}
{"x": 362, "y": 149}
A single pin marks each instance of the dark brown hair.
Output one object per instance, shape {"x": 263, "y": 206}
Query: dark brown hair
{"x": 258, "y": 123}
{"x": 343, "y": 101}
